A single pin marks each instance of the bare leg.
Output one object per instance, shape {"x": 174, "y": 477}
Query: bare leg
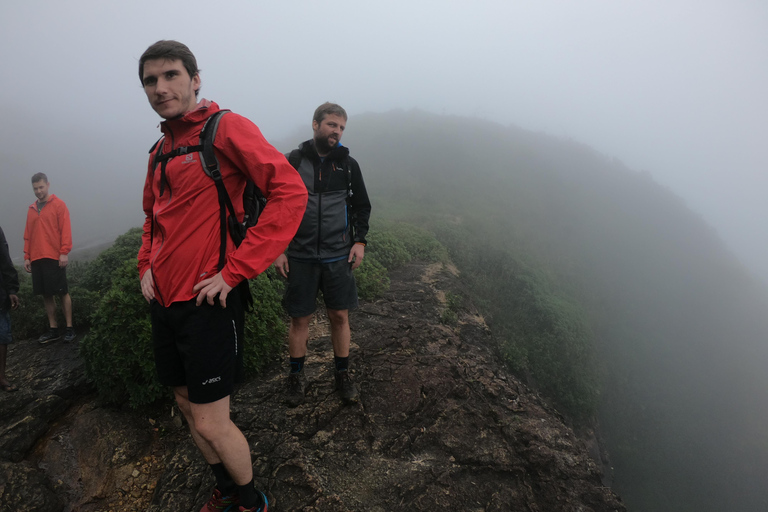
{"x": 182, "y": 398}
{"x": 50, "y": 310}
{"x": 217, "y": 437}
{"x": 66, "y": 306}
{"x": 340, "y": 333}
{"x": 298, "y": 335}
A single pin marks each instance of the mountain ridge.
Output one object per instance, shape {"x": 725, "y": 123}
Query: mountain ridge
{"x": 441, "y": 424}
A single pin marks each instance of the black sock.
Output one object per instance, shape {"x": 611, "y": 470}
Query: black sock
{"x": 297, "y": 364}
{"x": 249, "y": 497}
{"x": 224, "y": 482}
{"x": 342, "y": 363}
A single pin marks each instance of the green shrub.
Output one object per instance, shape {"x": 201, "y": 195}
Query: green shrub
{"x": 98, "y": 273}
{"x": 371, "y": 278}
{"x": 419, "y": 243}
{"x": 265, "y": 329}
{"x": 118, "y": 351}
{"x": 388, "y": 250}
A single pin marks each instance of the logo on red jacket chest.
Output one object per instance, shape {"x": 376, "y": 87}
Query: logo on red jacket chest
{"x": 189, "y": 158}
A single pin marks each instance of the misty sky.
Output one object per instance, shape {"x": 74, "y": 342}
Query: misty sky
{"x": 677, "y": 88}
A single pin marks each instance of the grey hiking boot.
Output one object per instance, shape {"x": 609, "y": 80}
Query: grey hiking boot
{"x": 346, "y": 388}
{"x": 69, "y": 334}
{"x": 297, "y": 387}
{"x": 48, "y": 336}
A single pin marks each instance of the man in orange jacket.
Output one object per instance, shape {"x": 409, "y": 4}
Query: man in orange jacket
{"x": 47, "y": 243}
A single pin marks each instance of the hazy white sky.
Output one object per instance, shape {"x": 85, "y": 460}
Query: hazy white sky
{"x": 677, "y": 87}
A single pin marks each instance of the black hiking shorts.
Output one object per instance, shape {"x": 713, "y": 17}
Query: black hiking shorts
{"x": 48, "y": 278}
{"x": 199, "y": 347}
{"x": 305, "y": 279}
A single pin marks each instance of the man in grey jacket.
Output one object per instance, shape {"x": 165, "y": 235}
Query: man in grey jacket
{"x": 328, "y": 246}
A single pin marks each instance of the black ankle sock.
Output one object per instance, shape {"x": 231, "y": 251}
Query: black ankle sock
{"x": 342, "y": 363}
{"x": 297, "y": 364}
{"x": 249, "y": 496}
{"x": 224, "y": 482}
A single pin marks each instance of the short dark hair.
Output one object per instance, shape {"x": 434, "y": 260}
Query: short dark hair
{"x": 40, "y": 176}
{"x": 169, "y": 50}
{"x": 326, "y": 109}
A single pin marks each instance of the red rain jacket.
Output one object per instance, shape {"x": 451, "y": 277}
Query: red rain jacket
{"x": 181, "y": 239}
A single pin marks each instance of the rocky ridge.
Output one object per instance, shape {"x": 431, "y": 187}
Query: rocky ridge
{"x": 441, "y": 425}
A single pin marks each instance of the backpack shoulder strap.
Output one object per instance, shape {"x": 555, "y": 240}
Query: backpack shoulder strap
{"x": 294, "y": 158}
{"x": 159, "y": 146}
{"x": 207, "y": 136}
{"x": 211, "y": 167}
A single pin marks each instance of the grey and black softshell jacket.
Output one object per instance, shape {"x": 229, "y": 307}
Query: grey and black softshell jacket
{"x": 333, "y": 221}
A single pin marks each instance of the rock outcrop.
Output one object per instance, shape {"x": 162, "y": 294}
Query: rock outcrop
{"x": 441, "y": 425}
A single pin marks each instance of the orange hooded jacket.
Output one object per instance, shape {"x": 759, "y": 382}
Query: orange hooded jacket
{"x": 48, "y": 233}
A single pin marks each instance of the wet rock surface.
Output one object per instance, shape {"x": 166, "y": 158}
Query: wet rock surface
{"x": 440, "y": 425}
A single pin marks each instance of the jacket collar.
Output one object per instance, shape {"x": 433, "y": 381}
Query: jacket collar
{"x": 51, "y": 198}
{"x": 205, "y": 109}
{"x": 307, "y": 149}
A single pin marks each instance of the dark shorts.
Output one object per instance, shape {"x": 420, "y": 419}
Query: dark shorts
{"x": 199, "y": 346}
{"x": 5, "y": 327}
{"x": 48, "y": 278}
{"x": 305, "y": 279}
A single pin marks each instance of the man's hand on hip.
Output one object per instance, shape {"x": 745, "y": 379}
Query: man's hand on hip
{"x": 211, "y": 287}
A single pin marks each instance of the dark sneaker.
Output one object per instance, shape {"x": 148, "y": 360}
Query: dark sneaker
{"x": 219, "y": 503}
{"x": 346, "y": 388}
{"x": 261, "y": 508}
{"x": 49, "y": 336}
{"x": 297, "y": 388}
{"x": 69, "y": 334}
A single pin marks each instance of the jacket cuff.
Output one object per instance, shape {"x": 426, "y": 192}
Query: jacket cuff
{"x": 229, "y": 278}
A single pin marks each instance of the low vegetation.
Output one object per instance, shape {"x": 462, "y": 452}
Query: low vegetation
{"x": 544, "y": 336}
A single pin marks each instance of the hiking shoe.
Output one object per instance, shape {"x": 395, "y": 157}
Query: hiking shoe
{"x": 69, "y": 334}
{"x": 346, "y": 388}
{"x": 48, "y": 336}
{"x": 297, "y": 387}
{"x": 261, "y": 508}
{"x": 219, "y": 503}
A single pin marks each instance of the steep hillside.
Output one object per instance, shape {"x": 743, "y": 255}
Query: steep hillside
{"x": 678, "y": 326}
{"x": 441, "y": 425}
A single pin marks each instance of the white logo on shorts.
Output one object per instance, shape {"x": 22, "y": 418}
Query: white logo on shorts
{"x": 211, "y": 381}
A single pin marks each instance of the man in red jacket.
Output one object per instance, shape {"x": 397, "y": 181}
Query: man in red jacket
{"x": 47, "y": 243}
{"x": 196, "y": 311}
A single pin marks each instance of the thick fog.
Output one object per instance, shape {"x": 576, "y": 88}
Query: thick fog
{"x": 675, "y": 88}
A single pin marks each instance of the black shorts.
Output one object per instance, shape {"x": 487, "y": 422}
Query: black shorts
{"x": 48, "y": 278}
{"x": 335, "y": 280}
{"x": 199, "y": 347}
